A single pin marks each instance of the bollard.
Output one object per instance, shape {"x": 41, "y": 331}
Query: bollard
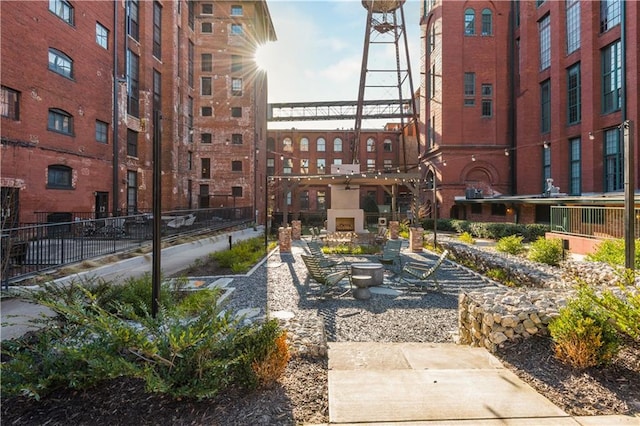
{"x": 229, "y": 242}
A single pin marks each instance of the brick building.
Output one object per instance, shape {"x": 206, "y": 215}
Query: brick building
{"x": 78, "y": 131}
{"x": 539, "y": 92}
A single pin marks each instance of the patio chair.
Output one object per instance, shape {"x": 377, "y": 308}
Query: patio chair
{"x": 321, "y": 275}
{"x": 420, "y": 272}
{"x": 381, "y": 236}
{"x": 325, "y": 262}
{"x": 391, "y": 255}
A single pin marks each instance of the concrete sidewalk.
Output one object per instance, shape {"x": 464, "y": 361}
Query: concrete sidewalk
{"x": 16, "y": 313}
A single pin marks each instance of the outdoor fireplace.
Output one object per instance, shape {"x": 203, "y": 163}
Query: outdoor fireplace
{"x": 345, "y": 224}
{"x": 342, "y": 217}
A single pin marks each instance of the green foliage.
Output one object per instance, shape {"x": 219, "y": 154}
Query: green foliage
{"x": 490, "y": 230}
{"x": 511, "y": 244}
{"x": 547, "y": 251}
{"x": 501, "y": 276}
{"x": 612, "y": 252}
{"x": 622, "y": 307}
{"x": 466, "y": 237}
{"x": 242, "y": 255}
{"x": 197, "y": 355}
{"x": 582, "y": 334}
{"x": 350, "y": 249}
{"x": 369, "y": 205}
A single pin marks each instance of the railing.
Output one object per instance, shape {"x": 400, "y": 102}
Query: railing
{"x": 318, "y": 218}
{"x": 33, "y": 249}
{"x": 595, "y": 222}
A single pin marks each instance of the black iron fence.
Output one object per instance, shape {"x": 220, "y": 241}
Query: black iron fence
{"x": 32, "y": 249}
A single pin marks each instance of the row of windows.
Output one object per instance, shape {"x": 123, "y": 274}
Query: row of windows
{"x": 207, "y": 138}
{"x": 321, "y": 145}
{"x": 206, "y": 87}
{"x": 207, "y": 28}
{"x": 207, "y": 9}
{"x": 321, "y": 165}
{"x": 470, "y": 22}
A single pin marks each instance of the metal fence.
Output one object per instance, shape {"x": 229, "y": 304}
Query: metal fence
{"x": 597, "y": 222}
{"x": 32, "y": 249}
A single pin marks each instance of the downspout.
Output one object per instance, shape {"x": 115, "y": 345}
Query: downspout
{"x": 116, "y": 118}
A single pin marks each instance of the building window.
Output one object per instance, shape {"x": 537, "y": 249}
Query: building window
{"x": 337, "y": 162}
{"x": 487, "y": 107}
{"x": 337, "y": 145}
{"x": 189, "y": 160}
{"x": 387, "y": 145}
{"x": 157, "y": 90}
{"x": 304, "y": 200}
{"x": 544, "y": 29}
{"x": 102, "y": 36}
{"x": 609, "y": 14}
{"x": 132, "y": 143}
{"x": 132, "y": 191}
{"x": 611, "y": 78}
{"x": 236, "y": 63}
{"x": 236, "y": 139}
{"x": 236, "y": 191}
{"x": 321, "y": 166}
{"x": 469, "y": 88}
{"x": 205, "y": 86}
{"x": 102, "y": 132}
{"x": 133, "y": 26}
{"x": 539, "y": 3}
{"x": 321, "y": 145}
{"x": 59, "y": 176}
{"x": 205, "y": 167}
{"x": 498, "y": 209}
{"x": 236, "y": 29}
{"x": 236, "y": 86}
{"x": 573, "y": 25}
{"x": 432, "y": 38}
{"x": 287, "y": 145}
{"x": 546, "y": 166}
{"x": 575, "y": 167}
{"x": 304, "y": 166}
{"x": 157, "y": 30}
{"x": 613, "y": 161}
{"x": 321, "y": 200}
{"x": 207, "y": 9}
{"x": 432, "y": 86}
{"x": 487, "y": 90}
{"x": 133, "y": 84}
{"x": 206, "y": 27}
{"x": 206, "y": 138}
{"x": 371, "y": 164}
{"x": 192, "y": 13}
{"x": 62, "y": 9}
{"x": 271, "y": 166}
{"x": 545, "y": 106}
{"x": 304, "y": 144}
{"x": 60, "y": 121}
{"x": 60, "y": 63}
{"x": 236, "y": 112}
{"x": 487, "y": 22}
{"x": 206, "y": 62}
{"x": 371, "y": 145}
{"x": 236, "y": 166}
{"x": 206, "y": 111}
{"x": 287, "y": 166}
{"x": 190, "y": 62}
{"x": 388, "y": 164}
{"x": 236, "y": 10}
{"x": 469, "y": 22}
{"x": 573, "y": 94}
{"x": 10, "y": 103}
{"x": 190, "y": 118}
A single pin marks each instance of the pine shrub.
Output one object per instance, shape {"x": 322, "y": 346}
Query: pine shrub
{"x": 548, "y": 251}
{"x": 511, "y": 244}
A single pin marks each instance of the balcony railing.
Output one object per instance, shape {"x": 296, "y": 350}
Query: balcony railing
{"x": 595, "y": 222}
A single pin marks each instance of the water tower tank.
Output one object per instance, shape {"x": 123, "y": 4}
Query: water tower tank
{"x": 382, "y": 6}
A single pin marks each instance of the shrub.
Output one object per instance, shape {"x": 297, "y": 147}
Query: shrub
{"x": 547, "y": 251}
{"x": 466, "y": 237}
{"x": 270, "y": 368}
{"x": 242, "y": 255}
{"x": 582, "y": 335}
{"x": 622, "y": 307}
{"x": 612, "y": 252}
{"x": 500, "y": 275}
{"x": 511, "y": 244}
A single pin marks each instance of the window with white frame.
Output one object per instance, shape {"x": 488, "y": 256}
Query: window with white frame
{"x": 321, "y": 144}
{"x": 613, "y": 161}
{"x": 206, "y": 86}
{"x": 371, "y": 145}
{"x": 60, "y": 63}
{"x": 206, "y": 62}
{"x": 609, "y": 14}
{"x": 304, "y": 144}
{"x": 546, "y": 166}
{"x": 236, "y": 86}
{"x": 321, "y": 200}
{"x": 611, "y": 77}
{"x": 132, "y": 191}
{"x": 132, "y": 143}
{"x": 469, "y": 88}
{"x": 304, "y": 166}
{"x": 573, "y": 94}
{"x": 102, "y": 132}
{"x": 487, "y": 22}
{"x": 236, "y": 10}
{"x": 388, "y": 164}
{"x": 371, "y": 164}
{"x": 207, "y": 9}
{"x": 206, "y": 27}
{"x": 236, "y": 29}
{"x": 337, "y": 161}
{"x": 133, "y": 25}
{"x": 387, "y": 145}
{"x": 573, "y": 25}
{"x": 321, "y": 165}
{"x": 469, "y": 22}
{"x": 544, "y": 30}
{"x": 206, "y": 111}
{"x": 63, "y": 9}
{"x": 287, "y": 166}
{"x": 337, "y": 145}
{"x": 287, "y": 145}
{"x": 102, "y": 35}
{"x": 236, "y": 138}
{"x": 575, "y": 167}
{"x": 60, "y": 121}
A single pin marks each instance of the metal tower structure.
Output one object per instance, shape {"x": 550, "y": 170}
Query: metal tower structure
{"x": 385, "y": 27}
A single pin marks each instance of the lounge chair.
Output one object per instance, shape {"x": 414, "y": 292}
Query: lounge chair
{"x": 391, "y": 254}
{"x": 325, "y": 262}
{"x": 323, "y": 276}
{"x": 420, "y": 272}
{"x": 381, "y": 236}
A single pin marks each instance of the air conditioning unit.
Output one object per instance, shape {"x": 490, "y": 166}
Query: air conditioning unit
{"x": 382, "y": 221}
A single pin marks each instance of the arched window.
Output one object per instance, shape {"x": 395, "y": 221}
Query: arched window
{"x": 59, "y": 176}
{"x": 60, "y": 63}
{"x": 304, "y": 144}
{"x": 371, "y": 145}
{"x": 287, "y": 145}
{"x": 469, "y": 22}
{"x": 321, "y": 144}
{"x": 60, "y": 121}
{"x": 487, "y": 22}
{"x": 337, "y": 145}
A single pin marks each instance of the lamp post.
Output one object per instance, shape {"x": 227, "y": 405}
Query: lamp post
{"x": 629, "y": 196}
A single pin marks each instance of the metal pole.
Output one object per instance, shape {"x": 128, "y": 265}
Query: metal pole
{"x": 157, "y": 219}
{"x": 435, "y": 212}
{"x": 629, "y": 196}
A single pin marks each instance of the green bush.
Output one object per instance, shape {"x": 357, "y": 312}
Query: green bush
{"x": 242, "y": 255}
{"x": 198, "y": 355}
{"x": 466, "y": 237}
{"x": 582, "y": 335}
{"x": 547, "y": 251}
{"x": 621, "y": 307}
{"x": 612, "y": 252}
{"x": 511, "y": 244}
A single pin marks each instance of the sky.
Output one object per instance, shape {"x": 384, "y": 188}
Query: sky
{"x": 318, "y": 54}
